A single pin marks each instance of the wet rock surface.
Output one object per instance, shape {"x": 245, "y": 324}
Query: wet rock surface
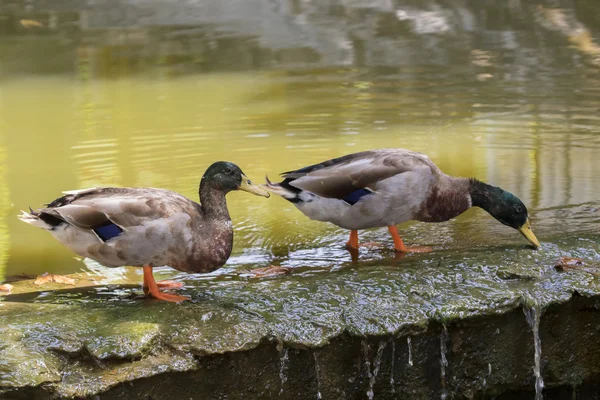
{"x": 450, "y": 323}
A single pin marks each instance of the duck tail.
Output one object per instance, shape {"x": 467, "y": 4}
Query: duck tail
{"x": 284, "y": 191}
{"x": 33, "y": 218}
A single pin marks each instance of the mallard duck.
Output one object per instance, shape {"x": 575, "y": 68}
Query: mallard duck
{"x": 149, "y": 227}
{"x": 386, "y": 187}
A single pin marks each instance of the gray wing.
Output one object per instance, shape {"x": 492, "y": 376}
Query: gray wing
{"x": 341, "y": 176}
{"x": 124, "y": 207}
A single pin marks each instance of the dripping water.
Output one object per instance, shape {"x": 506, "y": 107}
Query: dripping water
{"x": 488, "y": 374}
{"x": 283, "y": 362}
{"x": 392, "y": 369}
{"x": 410, "y": 360}
{"x": 532, "y": 314}
{"x": 376, "y": 365}
{"x": 443, "y": 360}
{"x": 317, "y": 372}
{"x": 365, "y": 347}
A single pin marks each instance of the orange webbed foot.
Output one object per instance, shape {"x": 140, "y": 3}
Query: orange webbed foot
{"x": 173, "y": 298}
{"x": 399, "y": 246}
{"x": 166, "y": 284}
{"x": 151, "y": 288}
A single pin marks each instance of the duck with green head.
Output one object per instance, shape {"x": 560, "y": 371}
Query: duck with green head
{"x": 148, "y": 227}
{"x": 386, "y": 187}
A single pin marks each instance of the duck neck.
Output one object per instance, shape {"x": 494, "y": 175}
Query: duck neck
{"x": 448, "y": 198}
{"x": 484, "y": 196}
{"x": 212, "y": 200}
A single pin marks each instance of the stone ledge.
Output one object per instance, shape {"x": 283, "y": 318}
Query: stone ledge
{"x": 102, "y": 340}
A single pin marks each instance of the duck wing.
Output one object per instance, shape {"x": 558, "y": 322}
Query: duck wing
{"x": 340, "y": 177}
{"x": 109, "y": 211}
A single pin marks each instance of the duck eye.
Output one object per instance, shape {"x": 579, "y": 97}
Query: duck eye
{"x": 519, "y": 209}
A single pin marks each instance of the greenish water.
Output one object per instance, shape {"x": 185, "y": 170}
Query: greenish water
{"x": 135, "y": 96}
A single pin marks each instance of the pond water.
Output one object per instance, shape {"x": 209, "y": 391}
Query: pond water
{"x": 151, "y": 95}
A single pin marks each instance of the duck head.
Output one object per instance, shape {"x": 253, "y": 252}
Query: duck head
{"x": 226, "y": 176}
{"x": 504, "y": 206}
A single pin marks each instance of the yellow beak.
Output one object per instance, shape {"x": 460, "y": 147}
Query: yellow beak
{"x": 526, "y": 231}
{"x": 248, "y": 186}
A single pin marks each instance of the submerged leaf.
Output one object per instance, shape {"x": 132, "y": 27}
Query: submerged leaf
{"x": 47, "y": 278}
{"x": 571, "y": 263}
{"x": 6, "y": 287}
{"x": 31, "y": 23}
{"x": 272, "y": 270}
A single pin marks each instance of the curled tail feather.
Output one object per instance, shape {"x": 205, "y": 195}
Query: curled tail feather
{"x": 284, "y": 191}
{"x": 33, "y": 218}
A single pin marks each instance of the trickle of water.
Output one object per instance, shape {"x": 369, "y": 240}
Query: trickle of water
{"x": 443, "y": 360}
{"x": 488, "y": 374}
{"x": 532, "y": 315}
{"x": 317, "y": 373}
{"x": 410, "y": 360}
{"x": 376, "y": 365}
{"x": 365, "y": 347}
{"x": 283, "y": 365}
{"x": 392, "y": 368}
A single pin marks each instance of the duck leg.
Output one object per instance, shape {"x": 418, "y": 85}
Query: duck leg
{"x": 352, "y": 243}
{"x": 151, "y": 287}
{"x": 399, "y": 244}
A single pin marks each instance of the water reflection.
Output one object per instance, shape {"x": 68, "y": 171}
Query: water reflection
{"x": 150, "y": 95}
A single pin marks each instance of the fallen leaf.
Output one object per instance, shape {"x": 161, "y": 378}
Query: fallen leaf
{"x": 42, "y": 279}
{"x": 571, "y": 263}
{"x": 47, "y": 278}
{"x": 484, "y": 77}
{"x": 6, "y": 287}
{"x": 64, "y": 279}
{"x": 31, "y": 23}
{"x": 272, "y": 270}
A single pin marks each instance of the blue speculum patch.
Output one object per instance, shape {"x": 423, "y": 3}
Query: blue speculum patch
{"x": 355, "y": 196}
{"x": 108, "y": 231}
